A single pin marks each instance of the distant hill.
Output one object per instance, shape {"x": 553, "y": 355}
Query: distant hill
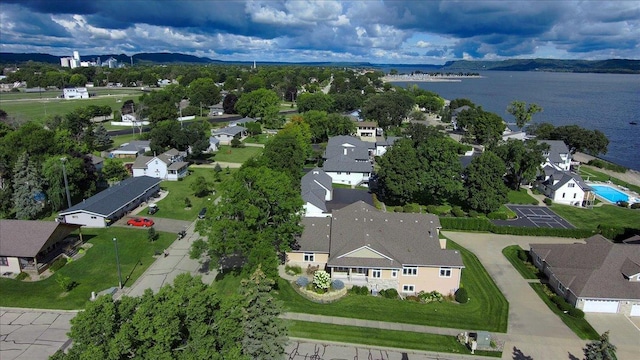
{"x": 11, "y": 58}
{"x": 151, "y": 58}
{"x": 620, "y": 66}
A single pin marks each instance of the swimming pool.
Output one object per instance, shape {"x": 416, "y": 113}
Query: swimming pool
{"x": 609, "y": 193}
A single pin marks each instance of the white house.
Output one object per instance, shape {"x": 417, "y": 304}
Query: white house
{"x": 383, "y": 144}
{"x": 347, "y": 160}
{"x": 214, "y": 144}
{"x": 316, "y": 191}
{"x": 75, "y": 93}
{"x": 366, "y": 130}
{"x": 564, "y": 187}
{"x": 132, "y": 149}
{"x": 558, "y": 155}
{"x": 226, "y": 134}
{"x": 107, "y": 206}
{"x": 167, "y": 166}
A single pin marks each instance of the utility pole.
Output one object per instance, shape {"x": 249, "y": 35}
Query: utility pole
{"x": 66, "y": 182}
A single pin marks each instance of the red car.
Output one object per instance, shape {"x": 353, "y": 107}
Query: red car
{"x": 144, "y": 222}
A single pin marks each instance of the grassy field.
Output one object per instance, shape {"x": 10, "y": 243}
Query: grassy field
{"x": 378, "y": 337}
{"x": 610, "y": 215}
{"x": 95, "y": 271}
{"x": 580, "y": 327}
{"x": 258, "y": 139}
{"x": 593, "y": 175}
{"x": 527, "y": 271}
{"x": 521, "y": 197}
{"x": 121, "y": 139}
{"x": 36, "y": 109}
{"x": 173, "y": 206}
{"x": 236, "y": 155}
{"x": 487, "y": 309}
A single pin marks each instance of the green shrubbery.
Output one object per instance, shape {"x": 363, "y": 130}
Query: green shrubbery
{"x": 576, "y": 313}
{"x": 359, "y": 290}
{"x": 461, "y": 296}
{"x": 293, "y": 269}
{"x": 548, "y": 201}
{"x": 389, "y": 293}
{"x": 432, "y": 296}
{"x": 483, "y": 224}
{"x": 412, "y": 298}
{"x": 607, "y": 165}
{"x": 22, "y": 276}
{"x": 497, "y": 215}
{"x": 523, "y": 255}
{"x": 58, "y": 264}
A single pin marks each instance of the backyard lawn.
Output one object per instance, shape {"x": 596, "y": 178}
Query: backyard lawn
{"x": 487, "y": 309}
{"x": 173, "y": 205}
{"x": 121, "y": 139}
{"x": 95, "y": 271}
{"x": 610, "y": 215}
{"x": 258, "y": 139}
{"x": 236, "y": 155}
{"x": 521, "y": 197}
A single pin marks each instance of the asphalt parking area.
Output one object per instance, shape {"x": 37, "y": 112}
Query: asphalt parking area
{"x": 535, "y": 216}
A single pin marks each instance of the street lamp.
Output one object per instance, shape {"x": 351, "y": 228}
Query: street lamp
{"x": 115, "y": 243}
{"x": 66, "y": 182}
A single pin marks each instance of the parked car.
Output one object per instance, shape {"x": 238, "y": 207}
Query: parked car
{"x": 144, "y": 222}
{"x": 153, "y": 208}
{"x": 202, "y": 213}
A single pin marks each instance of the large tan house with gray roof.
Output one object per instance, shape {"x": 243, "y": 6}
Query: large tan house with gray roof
{"x": 598, "y": 276}
{"x": 363, "y": 246}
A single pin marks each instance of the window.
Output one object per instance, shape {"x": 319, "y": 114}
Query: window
{"x": 563, "y": 194}
{"x": 408, "y": 288}
{"x": 309, "y": 257}
{"x": 561, "y": 288}
{"x": 410, "y": 271}
{"x": 394, "y": 273}
{"x": 574, "y": 195}
{"x": 4, "y": 261}
{"x": 571, "y": 185}
{"x": 445, "y": 272}
{"x": 339, "y": 173}
{"x": 93, "y": 217}
{"x": 376, "y": 273}
{"x": 348, "y": 172}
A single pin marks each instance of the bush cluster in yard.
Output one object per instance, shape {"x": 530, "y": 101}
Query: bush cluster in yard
{"x": 562, "y": 304}
{"x": 388, "y": 293}
{"x": 523, "y": 255}
{"x": 576, "y": 313}
{"x": 461, "y": 296}
{"x": 58, "y": 264}
{"x": 322, "y": 280}
{"x": 293, "y": 269}
{"x": 548, "y": 201}
{"x": 497, "y": 215}
{"x": 429, "y": 297}
{"x": 302, "y": 281}
{"x": 412, "y": 298}
{"x": 359, "y": 290}
{"x": 337, "y": 284}
{"x": 22, "y": 276}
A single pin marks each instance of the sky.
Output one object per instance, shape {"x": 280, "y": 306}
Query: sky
{"x": 376, "y": 31}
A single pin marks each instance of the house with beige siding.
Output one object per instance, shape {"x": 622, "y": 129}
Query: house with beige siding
{"x": 363, "y": 246}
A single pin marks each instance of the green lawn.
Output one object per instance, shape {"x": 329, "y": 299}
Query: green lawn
{"x": 36, "y": 109}
{"x": 609, "y": 215}
{"x": 121, "y": 139}
{"x": 173, "y": 206}
{"x": 521, "y": 197}
{"x": 236, "y": 155}
{"x": 580, "y": 327}
{"x": 379, "y": 337}
{"x": 589, "y": 174}
{"x": 258, "y": 139}
{"x": 487, "y": 309}
{"x": 511, "y": 253}
{"x": 95, "y": 271}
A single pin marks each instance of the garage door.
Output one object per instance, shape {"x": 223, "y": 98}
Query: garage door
{"x": 601, "y": 306}
{"x": 635, "y": 310}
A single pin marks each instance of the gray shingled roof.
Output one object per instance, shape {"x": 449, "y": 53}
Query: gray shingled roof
{"x": 564, "y": 177}
{"x": 344, "y": 163}
{"x": 214, "y": 140}
{"x": 244, "y": 120}
{"x": 177, "y": 165}
{"x": 314, "y": 185}
{"x": 26, "y": 238}
{"x": 110, "y": 200}
{"x": 595, "y": 269}
{"x": 230, "y": 130}
{"x": 141, "y": 162}
{"x": 406, "y": 239}
{"x": 556, "y": 147}
{"x": 315, "y": 237}
{"x": 135, "y": 145}
{"x": 358, "y": 151}
{"x": 388, "y": 141}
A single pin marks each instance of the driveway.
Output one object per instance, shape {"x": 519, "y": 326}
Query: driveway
{"x": 161, "y": 224}
{"x": 624, "y": 332}
{"x": 30, "y": 334}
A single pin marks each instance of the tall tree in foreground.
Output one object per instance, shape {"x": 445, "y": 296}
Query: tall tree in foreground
{"x": 522, "y": 159}
{"x": 600, "y": 349}
{"x": 522, "y": 112}
{"x": 28, "y": 190}
{"x": 484, "y": 184}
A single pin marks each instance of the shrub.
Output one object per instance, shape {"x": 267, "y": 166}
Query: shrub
{"x": 623, "y": 204}
{"x": 607, "y": 165}
{"x": 412, "y": 298}
{"x": 432, "y": 209}
{"x": 398, "y": 209}
{"x": 535, "y": 202}
{"x": 322, "y": 280}
{"x": 187, "y": 202}
{"x": 293, "y": 269}
{"x": 473, "y": 214}
{"x": 389, "y": 293}
{"x": 497, "y": 215}
{"x": 635, "y": 205}
{"x": 65, "y": 282}
{"x": 461, "y": 296}
{"x": 58, "y": 264}
{"x": 576, "y": 313}
{"x": 236, "y": 143}
{"x": 337, "y": 284}
{"x": 302, "y": 281}
{"x": 564, "y": 306}
{"x": 458, "y": 212}
{"x": 429, "y": 297}
{"x": 411, "y": 208}
{"x": 22, "y": 276}
{"x": 522, "y": 255}
{"x": 152, "y": 235}
{"x": 548, "y": 201}
{"x": 359, "y": 290}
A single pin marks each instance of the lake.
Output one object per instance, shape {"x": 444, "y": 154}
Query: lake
{"x": 606, "y": 102}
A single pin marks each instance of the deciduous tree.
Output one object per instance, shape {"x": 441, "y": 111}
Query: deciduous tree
{"x": 522, "y": 112}
{"x": 203, "y": 91}
{"x": 260, "y": 103}
{"x": 388, "y": 109}
{"x": 483, "y": 181}
{"x": 317, "y": 101}
{"x": 522, "y": 160}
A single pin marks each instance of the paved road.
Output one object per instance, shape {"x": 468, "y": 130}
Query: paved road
{"x": 533, "y": 329}
{"x": 31, "y": 334}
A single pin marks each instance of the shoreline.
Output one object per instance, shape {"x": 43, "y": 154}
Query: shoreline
{"x": 428, "y": 78}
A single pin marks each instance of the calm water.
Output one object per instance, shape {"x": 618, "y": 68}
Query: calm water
{"x": 606, "y": 102}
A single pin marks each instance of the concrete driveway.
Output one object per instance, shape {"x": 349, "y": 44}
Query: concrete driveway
{"x": 161, "y": 224}
{"x": 533, "y": 329}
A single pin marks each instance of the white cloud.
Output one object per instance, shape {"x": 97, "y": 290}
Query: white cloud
{"x": 423, "y": 44}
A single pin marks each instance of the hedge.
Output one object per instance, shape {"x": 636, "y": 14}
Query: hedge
{"x": 482, "y": 224}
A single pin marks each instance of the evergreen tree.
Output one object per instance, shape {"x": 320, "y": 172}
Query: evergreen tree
{"x": 265, "y": 334}
{"x": 101, "y": 138}
{"x": 600, "y": 349}
{"x": 28, "y": 194}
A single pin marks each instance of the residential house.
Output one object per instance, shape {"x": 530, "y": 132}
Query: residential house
{"x": 214, "y": 144}
{"x": 167, "y": 166}
{"x": 383, "y": 144}
{"x": 558, "y": 155}
{"x": 226, "y": 134}
{"x": 242, "y": 121}
{"x": 366, "y": 130}
{"x": 455, "y": 113}
{"x": 75, "y": 93}
{"x": 381, "y": 250}
{"x": 564, "y": 187}
{"x": 316, "y": 191}
{"x": 30, "y": 246}
{"x": 107, "y": 206}
{"x": 348, "y": 160}
{"x": 598, "y": 276}
{"x": 131, "y": 149}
